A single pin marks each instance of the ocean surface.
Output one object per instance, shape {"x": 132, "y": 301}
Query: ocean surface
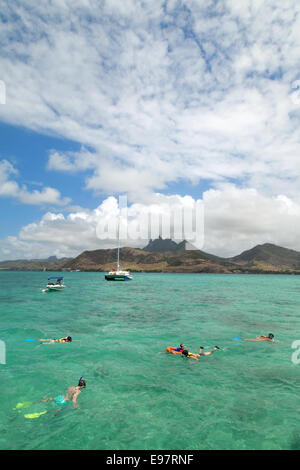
{"x": 138, "y": 397}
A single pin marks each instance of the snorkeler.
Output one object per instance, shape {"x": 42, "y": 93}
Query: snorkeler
{"x": 72, "y": 394}
{"x": 195, "y": 356}
{"x": 270, "y": 337}
{"x": 67, "y": 339}
{"x": 173, "y": 350}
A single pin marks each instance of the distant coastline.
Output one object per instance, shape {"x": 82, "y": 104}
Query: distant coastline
{"x": 166, "y": 256}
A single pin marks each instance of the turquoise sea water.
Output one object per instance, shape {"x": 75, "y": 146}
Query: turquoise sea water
{"x": 245, "y": 396}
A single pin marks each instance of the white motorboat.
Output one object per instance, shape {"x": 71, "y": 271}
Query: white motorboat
{"x": 55, "y": 284}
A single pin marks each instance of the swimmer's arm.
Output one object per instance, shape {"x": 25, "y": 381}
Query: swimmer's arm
{"x": 74, "y": 399}
{"x": 261, "y": 339}
{"x": 192, "y": 356}
{"x": 48, "y": 341}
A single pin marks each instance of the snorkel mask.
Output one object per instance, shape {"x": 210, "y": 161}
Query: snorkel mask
{"x": 81, "y": 382}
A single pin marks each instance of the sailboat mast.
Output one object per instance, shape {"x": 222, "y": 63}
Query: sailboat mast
{"x": 118, "y": 251}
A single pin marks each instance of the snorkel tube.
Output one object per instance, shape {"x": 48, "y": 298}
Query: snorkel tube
{"x": 81, "y": 382}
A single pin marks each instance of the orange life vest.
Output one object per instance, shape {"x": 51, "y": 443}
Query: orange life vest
{"x": 172, "y": 348}
{"x": 263, "y": 338}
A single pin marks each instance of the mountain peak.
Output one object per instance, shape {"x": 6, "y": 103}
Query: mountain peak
{"x": 269, "y": 253}
{"x": 164, "y": 244}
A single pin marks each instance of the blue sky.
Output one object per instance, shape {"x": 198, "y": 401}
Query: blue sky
{"x": 168, "y": 102}
{"x": 28, "y": 151}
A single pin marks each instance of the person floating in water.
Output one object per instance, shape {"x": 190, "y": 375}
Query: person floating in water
{"x": 67, "y": 339}
{"x": 270, "y": 337}
{"x": 195, "y": 356}
{"x": 71, "y": 394}
{"x": 176, "y": 350}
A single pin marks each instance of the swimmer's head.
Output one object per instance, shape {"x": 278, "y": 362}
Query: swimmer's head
{"x": 271, "y": 336}
{"x": 68, "y": 339}
{"x": 182, "y": 345}
{"x": 185, "y": 352}
{"x": 81, "y": 383}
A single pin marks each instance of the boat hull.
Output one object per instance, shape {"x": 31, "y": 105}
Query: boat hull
{"x": 54, "y": 288}
{"x": 115, "y": 277}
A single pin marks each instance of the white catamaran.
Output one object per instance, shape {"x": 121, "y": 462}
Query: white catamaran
{"x": 119, "y": 274}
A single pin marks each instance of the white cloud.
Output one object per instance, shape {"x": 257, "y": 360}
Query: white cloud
{"x": 68, "y": 235}
{"x": 235, "y": 220}
{"x": 157, "y": 93}
{"x": 165, "y": 93}
{"x": 238, "y": 219}
{"x": 10, "y": 188}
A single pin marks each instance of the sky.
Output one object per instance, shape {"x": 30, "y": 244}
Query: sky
{"x": 167, "y": 102}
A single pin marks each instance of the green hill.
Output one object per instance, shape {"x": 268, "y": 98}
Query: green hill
{"x": 168, "y": 256}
